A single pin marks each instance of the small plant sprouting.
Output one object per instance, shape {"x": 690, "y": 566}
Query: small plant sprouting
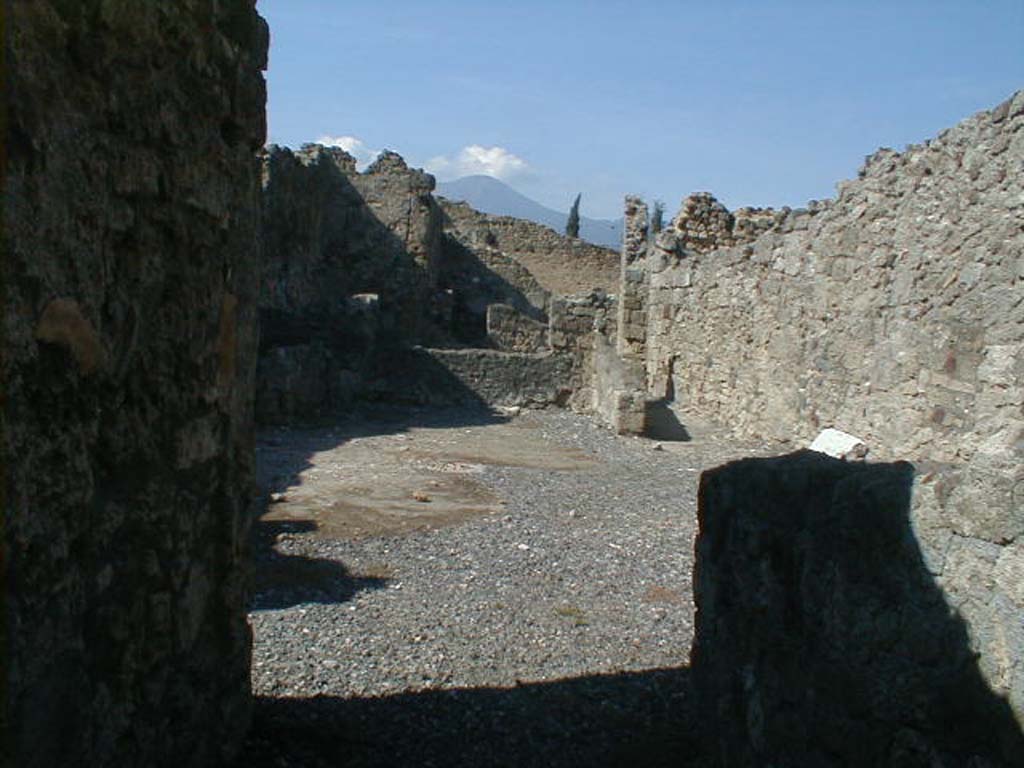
{"x": 579, "y": 619}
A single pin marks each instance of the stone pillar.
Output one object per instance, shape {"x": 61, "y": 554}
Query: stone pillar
{"x": 633, "y": 281}
{"x": 131, "y": 250}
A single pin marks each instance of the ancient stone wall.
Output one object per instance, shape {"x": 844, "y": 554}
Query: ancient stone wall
{"x": 360, "y": 264}
{"x": 633, "y": 281}
{"x": 130, "y": 291}
{"x": 475, "y": 377}
{"x": 331, "y": 233}
{"x": 352, "y": 262}
{"x": 510, "y": 330}
{"x": 896, "y": 313}
{"x": 479, "y": 275}
{"x": 574, "y": 327}
{"x": 703, "y": 224}
{"x": 617, "y": 395}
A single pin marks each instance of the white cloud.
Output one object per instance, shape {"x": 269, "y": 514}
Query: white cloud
{"x": 475, "y": 159}
{"x": 355, "y": 147}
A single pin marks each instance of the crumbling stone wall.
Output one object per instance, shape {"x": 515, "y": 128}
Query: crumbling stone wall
{"x": 703, "y": 224}
{"x": 359, "y": 265}
{"x": 352, "y": 262}
{"x": 633, "y": 281}
{"x": 479, "y": 275}
{"x": 130, "y": 283}
{"x": 895, "y": 312}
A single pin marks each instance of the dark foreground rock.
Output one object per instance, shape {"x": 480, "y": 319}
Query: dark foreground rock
{"x": 821, "y": 639}
{"x": 130, "y": 282}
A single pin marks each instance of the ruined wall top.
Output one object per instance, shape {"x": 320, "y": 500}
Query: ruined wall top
{"x": 634, "y": 230}
{"x": 703, "y": 224}
{"x": 386, "y": 164}
{"x": 562, "y": 265}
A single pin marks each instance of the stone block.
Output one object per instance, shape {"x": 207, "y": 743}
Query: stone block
{"x": 839, "y": 445}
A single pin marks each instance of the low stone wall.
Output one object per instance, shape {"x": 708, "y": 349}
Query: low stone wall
{"x": 304, "y": 383}
{"x": 130, "y": 288}
{"x": 822, "y": 636}
{"x": 476, "y": 377}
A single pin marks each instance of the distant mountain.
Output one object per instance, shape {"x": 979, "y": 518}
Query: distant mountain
{"x": 487, "y": 194}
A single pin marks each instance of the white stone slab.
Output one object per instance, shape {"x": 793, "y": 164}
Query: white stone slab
{"x": 839, "y": 445}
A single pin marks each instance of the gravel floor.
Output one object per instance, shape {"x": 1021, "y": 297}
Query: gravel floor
{"x": 554, "y": 632}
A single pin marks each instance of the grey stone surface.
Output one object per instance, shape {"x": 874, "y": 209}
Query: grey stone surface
{"x": 823, "y": 637}
{"x": 130, "y": 290}
{"x": 575, "y": 325}
{"x": 618, "y": 398}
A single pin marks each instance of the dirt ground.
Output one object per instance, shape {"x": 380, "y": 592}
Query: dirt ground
{"x": 361, "y": 484}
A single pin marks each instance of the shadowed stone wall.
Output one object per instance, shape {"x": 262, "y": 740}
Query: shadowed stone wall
{"x": 896, "y": 313}
{"x": 821, "y": 635}
{"x": 130, "y": 285}
{"x": 352, "y": 262}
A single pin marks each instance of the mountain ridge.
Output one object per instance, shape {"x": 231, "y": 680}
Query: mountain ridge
{"x": 490, "y": 195}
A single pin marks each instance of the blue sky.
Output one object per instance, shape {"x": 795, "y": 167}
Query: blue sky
{"x": 761, "y": 103}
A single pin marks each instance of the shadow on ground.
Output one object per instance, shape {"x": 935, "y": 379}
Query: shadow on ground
{"x": 283, "y": 580}
{"x": 283, "y": 454}
{"x": 636, "y": 719}
{"x": 661, "y": 423}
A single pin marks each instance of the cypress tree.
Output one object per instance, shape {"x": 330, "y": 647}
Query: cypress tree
{"x": 572, "y": 226}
